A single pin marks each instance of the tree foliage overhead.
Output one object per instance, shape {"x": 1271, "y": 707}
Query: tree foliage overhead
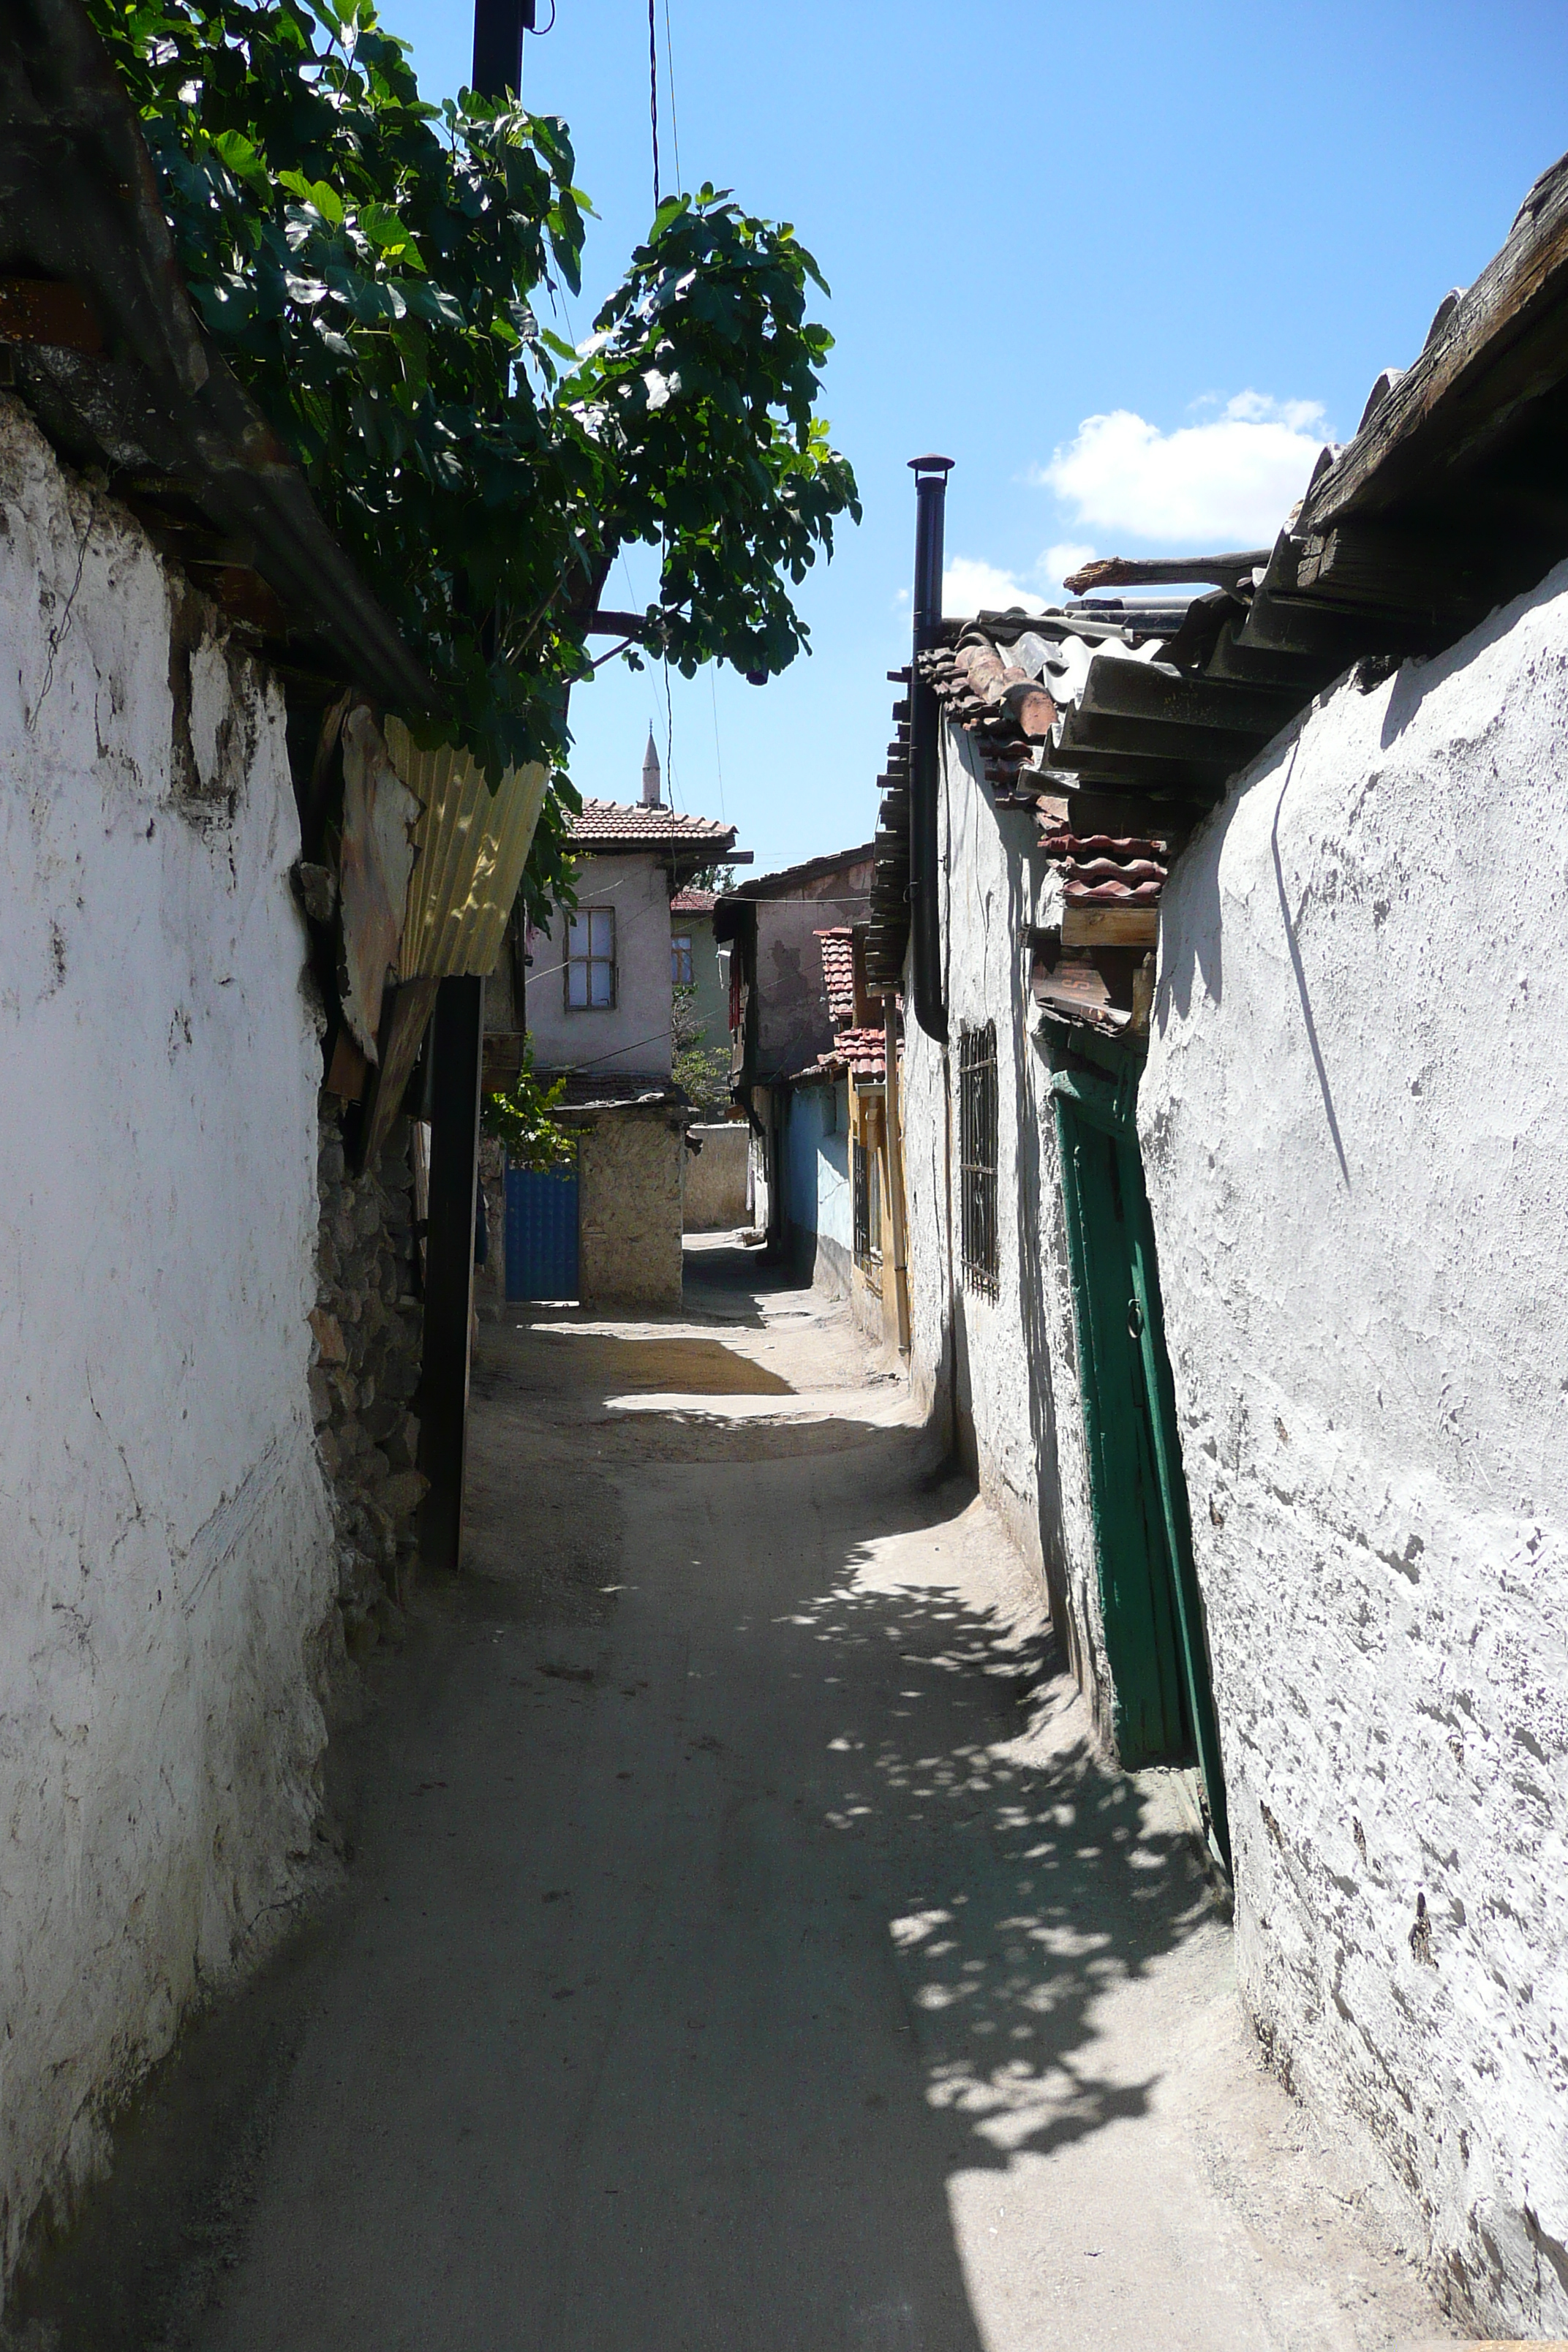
{"x": 376, "y": 270}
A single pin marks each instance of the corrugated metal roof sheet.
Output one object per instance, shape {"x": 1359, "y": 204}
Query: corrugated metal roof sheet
{"x": 472, "y": 847}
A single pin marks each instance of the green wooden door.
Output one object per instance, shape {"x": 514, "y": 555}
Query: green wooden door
{"x": 1154, "y": 1637}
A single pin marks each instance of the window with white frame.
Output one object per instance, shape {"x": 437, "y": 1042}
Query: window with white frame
{"x": 591, "y": 959}
{"x": 679, "y": 961}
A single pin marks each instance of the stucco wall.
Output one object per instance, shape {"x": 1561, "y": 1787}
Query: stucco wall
{"x": 1009, "y": 1363}
{"x": 632, "y": 1034}
{"x": 628, "y": 1209}
{"x": 711, "y": 983}
{"x": 715, "y": 1199}
{"x": 1354, "y": 1121}
{"x": 165, "y": 1552}
{"x": 794, "y": 1025}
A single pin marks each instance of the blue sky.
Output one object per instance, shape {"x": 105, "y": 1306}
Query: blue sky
{"x": 1128, "y": 267}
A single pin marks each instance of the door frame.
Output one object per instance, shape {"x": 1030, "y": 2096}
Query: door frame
{"x": 1109, "y": 1104}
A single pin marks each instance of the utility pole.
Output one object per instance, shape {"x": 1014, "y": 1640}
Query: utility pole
{"x": 456, "y": 1048}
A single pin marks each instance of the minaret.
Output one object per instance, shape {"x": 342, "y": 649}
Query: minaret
{"x": 650, "y": 775}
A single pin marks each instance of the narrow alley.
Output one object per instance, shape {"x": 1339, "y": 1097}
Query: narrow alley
{"x": 739, "y": 1949}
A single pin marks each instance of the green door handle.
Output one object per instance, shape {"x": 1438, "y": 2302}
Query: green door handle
{"x": 1134, "y": 1319}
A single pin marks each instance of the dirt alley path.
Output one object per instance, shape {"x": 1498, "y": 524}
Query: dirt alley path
{"x": 742, "y": 1950}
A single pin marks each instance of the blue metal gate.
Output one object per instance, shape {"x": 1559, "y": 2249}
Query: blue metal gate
{"x": 542, "y": 1233}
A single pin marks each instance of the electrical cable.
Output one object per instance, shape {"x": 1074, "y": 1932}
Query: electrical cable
{"x": 669, "y": 77}
{"x": 653, "y": 94}
{"x": 718, "y": 754}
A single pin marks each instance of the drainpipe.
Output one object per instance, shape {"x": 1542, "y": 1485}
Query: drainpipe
{"x": 925, "y": 723}
{"x": 893, "y": 1111}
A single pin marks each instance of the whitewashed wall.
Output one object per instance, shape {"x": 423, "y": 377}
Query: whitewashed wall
{"x": 1355, "y": 1125}
{"x": 165, "y": 1556}
{"x": 1019, "y": 1416}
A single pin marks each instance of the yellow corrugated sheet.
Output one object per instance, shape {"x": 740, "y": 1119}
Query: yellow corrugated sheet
{"x": 470, "y": 846}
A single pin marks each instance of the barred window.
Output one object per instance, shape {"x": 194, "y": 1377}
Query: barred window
{"x": 977, "y": 1156}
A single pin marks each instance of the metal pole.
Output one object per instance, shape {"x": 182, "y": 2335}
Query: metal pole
{"x": 499, "y": 29}
{"x": 458, "y": 1049}
{"x": 925, "y": 723}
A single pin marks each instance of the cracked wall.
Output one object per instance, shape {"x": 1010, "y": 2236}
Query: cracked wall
{"x": 1353, "y": 1121}
{"x": 166, "y": 1557}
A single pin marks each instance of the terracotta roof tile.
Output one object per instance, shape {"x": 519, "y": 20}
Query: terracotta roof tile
{"x": 838, "y": 971}
{"x": 693, "y": 902}
{"x": 637, "y": 824}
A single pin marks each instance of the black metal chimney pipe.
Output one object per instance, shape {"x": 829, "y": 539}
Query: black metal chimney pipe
{"x": 925, "y": 722}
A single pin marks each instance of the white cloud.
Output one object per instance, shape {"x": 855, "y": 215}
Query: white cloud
{"x": 1067, "y": 555}
{"x": 1233, "y": 480}
{"x": 970, "y": 586}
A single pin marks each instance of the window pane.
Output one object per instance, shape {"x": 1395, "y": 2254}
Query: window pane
{"x": 602, "y": 983}
{"x": 602, "y": 921}
{"x": 577, "y": 936}
{"x": 577, "y": 985}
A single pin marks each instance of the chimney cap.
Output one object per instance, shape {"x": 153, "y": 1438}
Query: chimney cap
{"x": 930, "y": 465}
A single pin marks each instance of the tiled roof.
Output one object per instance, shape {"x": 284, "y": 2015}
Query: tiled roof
{"x": 1099, "y": 869}
{"x": 637, "y": 824}
{"x": 791, "y": 878}
{"x": 693, "y": 902}
{"x": 838, "y": 972}
{"x": 862, "y": 1052}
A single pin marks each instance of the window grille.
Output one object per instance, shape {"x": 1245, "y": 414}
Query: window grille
{"x": 977, "y": 1156}
{"x": 591, "y": 959}
{"x": 681, "y": 963}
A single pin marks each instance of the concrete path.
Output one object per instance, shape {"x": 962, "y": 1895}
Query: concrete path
{"x": 742, "y": 1950}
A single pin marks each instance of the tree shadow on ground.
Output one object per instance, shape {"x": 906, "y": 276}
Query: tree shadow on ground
{"x": 730, "y": 1885}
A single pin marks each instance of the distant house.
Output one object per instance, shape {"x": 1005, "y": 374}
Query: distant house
{"x": 843, "y": 1181}
{"x": 694, "y": 965}
{"x": 781, "y": 1025}
{"x": 598, "y": 994}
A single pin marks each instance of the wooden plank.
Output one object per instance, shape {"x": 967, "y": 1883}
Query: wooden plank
{"x": 1131, "y": 572}
{"x": 1129, "y": 689}
{"x": 1217, "y": 750}
{"x": 1521, "y": 288}
{"x": 1111, "y": 927}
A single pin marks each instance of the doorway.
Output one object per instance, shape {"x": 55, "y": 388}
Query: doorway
{"x": 1154, "y": 1633}
{"x": 541, "y": 1232}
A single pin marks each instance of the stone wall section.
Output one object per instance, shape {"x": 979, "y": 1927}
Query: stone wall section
{"x": 368, "y": 1330}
